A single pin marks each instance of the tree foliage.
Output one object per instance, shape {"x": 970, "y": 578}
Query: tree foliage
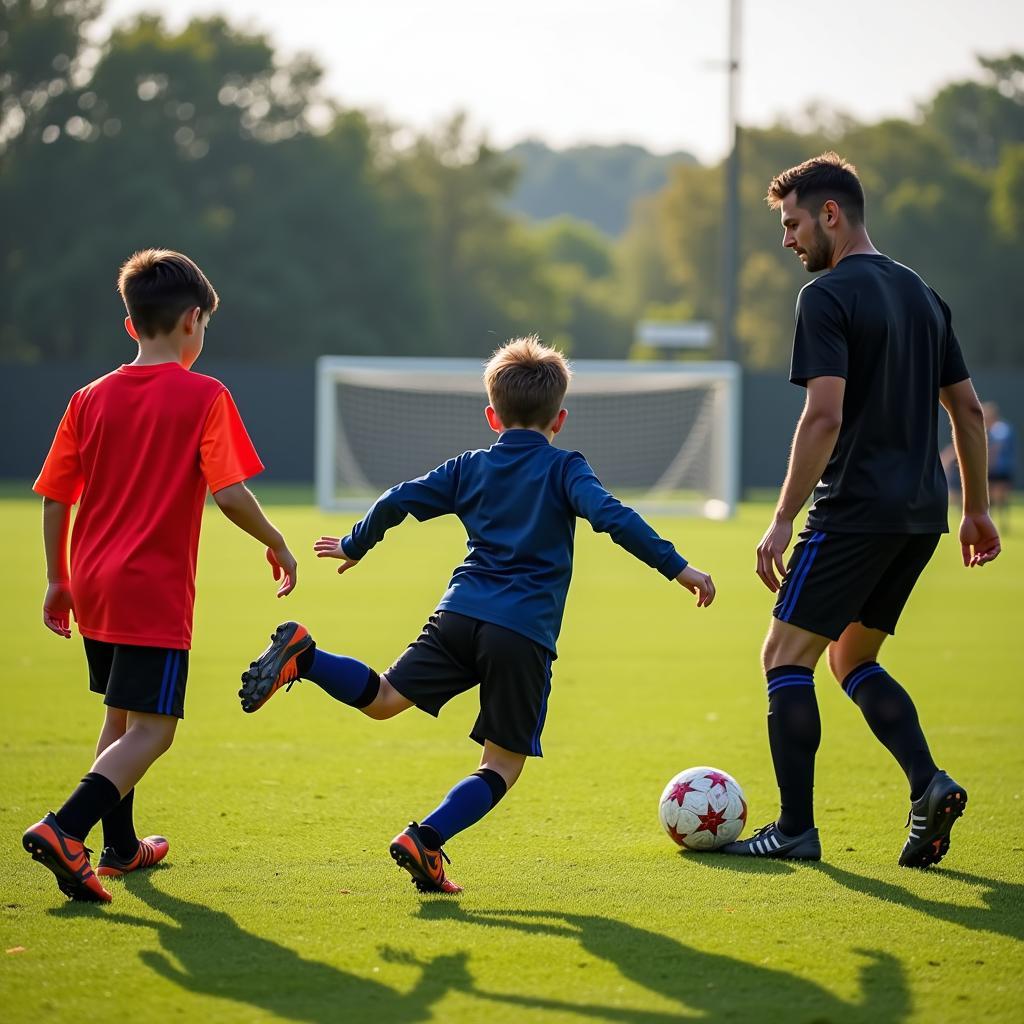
{"x": 324, "y": 231}
{"x": 945, "y": 195}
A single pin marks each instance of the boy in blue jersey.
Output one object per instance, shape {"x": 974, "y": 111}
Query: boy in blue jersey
{"x": 497, "y": 624}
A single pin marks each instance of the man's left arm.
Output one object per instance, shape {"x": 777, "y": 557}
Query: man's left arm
{"x": 813, "y": 444}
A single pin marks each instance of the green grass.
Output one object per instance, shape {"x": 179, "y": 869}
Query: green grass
{"x": 279, "y": 902}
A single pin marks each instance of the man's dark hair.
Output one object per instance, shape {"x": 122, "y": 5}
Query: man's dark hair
{"x": 158, "y": 285}
{"x": 817, "y": 180}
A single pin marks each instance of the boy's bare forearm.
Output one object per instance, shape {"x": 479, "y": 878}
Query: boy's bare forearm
{"x": 56, "y": 521}
{"x": 239, "y": 504}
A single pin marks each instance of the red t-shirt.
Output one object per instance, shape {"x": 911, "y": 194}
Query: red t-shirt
{"x": 140, "y": 447}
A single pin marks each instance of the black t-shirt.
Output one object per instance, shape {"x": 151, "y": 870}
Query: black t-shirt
{"x": 875, "y": 323}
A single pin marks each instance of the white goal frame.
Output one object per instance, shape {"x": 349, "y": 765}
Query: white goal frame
{"x": 720, "y": 431}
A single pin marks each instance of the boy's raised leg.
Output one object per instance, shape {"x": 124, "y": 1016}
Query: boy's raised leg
{"x": 292, "y": 655}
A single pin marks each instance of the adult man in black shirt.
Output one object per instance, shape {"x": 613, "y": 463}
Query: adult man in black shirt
{"x": 875, "y": 349}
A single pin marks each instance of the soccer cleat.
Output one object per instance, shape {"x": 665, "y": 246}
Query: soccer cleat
{"x": 770, "y": 842}
{"x": 151, "y": 851}
{"x": 275, "y": 667}
{"x": 67, "y": 858}
{"x": 425, "y": 865}
{"x": 932, "y": 816}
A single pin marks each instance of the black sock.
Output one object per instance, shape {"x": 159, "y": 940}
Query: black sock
{"x": 889, "y": 711}
{"x": 305, "y": 660}
{"x": 794, "y": 732}
{"x": 95, "y": 797}
{"x": 119, "y": 828}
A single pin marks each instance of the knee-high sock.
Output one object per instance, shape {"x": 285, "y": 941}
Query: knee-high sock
{"x": 466, "y": 803}
{"x": 95, "y": 797}
{"x": 794, "y": 732}
{"x": 119, "y": 827}
{"x": 345, "y": 679}
{"x": 889, "y": 711}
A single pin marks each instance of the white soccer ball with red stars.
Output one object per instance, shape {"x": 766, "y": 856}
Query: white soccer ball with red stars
{"x": 703, "y": 809}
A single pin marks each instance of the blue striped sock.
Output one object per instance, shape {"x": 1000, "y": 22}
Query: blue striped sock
{"x": 890, "y": 713}
{"x": 788, "y": 675}
{"x": 794, "y": 732}
{"x": 858, "y": 675}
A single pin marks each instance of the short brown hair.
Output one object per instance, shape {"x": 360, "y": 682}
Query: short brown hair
{"x": 526, "y": 382}
{"x": 817, "y": 180}
{"x": 158, "y": 285}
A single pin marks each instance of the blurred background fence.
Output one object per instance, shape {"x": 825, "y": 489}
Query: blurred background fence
{"x": 277, "y": 404}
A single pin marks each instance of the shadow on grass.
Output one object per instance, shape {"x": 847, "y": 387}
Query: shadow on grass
{"x": 741, "y": 865}
{"x": 205, "y": 951}
{"x": 1003, "y": 913}
{"x": 706, "y": 986}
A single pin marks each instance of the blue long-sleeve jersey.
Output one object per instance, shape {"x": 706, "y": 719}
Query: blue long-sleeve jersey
{"x": 518, "y": 500}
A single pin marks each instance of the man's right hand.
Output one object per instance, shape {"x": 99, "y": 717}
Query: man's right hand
{"x": 979, "y": 539}
{"x": 282, "y": 563}
{"x": 699, "y": 583}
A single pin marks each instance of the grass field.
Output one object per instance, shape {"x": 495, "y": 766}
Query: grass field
{"x": 278, "y": 900}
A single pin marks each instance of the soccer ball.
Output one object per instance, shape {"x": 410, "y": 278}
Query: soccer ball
{"x": 703, "y": 809}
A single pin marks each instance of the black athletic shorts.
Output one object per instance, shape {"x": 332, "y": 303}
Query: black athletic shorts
{"x": 150, "y": 679}
{"x": 454, "y": 653}
{"x": 834, "y": 579}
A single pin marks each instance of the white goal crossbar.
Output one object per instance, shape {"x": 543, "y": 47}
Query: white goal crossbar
{"x": 665, "y": 435}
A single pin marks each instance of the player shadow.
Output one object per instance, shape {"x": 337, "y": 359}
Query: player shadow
{"x": 739, "y": 865}
{"x": 206, "y": 952}
{"x": 705, "y": 986}
{"x": 1003, "y": 913}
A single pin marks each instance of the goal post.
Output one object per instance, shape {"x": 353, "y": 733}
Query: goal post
{"x": 664, "y": 436}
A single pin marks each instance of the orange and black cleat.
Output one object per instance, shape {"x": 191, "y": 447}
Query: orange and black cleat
{"x": 425, "y": 865}
{"x": 151, "y": 851}
{"x": 275, "y": 667}
{"x": 67, "y": 858}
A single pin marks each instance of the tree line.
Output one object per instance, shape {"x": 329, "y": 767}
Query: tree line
{"x": 326, "y": 231}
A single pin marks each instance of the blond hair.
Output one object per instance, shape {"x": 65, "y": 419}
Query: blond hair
{"x": 526, "y": 382}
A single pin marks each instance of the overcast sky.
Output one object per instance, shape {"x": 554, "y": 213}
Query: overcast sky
{"x": 645, "y": 71}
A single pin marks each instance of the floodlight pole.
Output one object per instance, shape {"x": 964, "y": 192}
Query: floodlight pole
{"x": 730, "y": 247}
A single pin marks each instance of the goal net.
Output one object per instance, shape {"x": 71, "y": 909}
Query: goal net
{"x": 662, "y": 436}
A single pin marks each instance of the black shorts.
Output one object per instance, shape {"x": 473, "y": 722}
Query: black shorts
{"x": 454, "y": 653}
{"x": 149, "y": 679}
{"x": 834, "y": 579}
{"x": 1000, "y": 478}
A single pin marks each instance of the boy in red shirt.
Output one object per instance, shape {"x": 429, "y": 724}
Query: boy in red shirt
{"x": 138, "y": 450}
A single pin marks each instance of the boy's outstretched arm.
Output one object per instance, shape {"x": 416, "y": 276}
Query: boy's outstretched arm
{"x": 57, "y": 604}
{"x": 606, "y": 514}
{"x": 424, "y": 498}
{"x": 239, "y": 504}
